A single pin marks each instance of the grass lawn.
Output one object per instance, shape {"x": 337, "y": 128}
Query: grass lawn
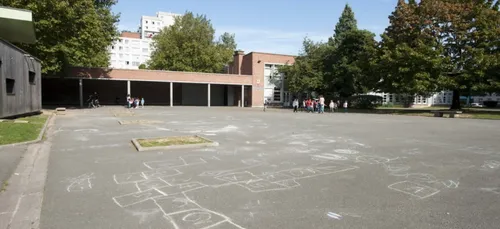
{"x": 11, "y": 132}
{"x": 169, "y": 141}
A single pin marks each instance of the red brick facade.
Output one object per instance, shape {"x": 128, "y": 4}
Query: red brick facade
{"x": 245, "y": 70}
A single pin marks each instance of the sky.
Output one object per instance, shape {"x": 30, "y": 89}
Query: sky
{"x": 273, "y": 26}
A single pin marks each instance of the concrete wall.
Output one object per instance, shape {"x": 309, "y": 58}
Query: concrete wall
{"x": 56, "y": 91}
{"x": 154, "y": 93}
{"x": 25, "y": 72}
{"x": 217, "y": 95}
{"x": 108, "y": 91}
{"x": 194, "y": 94}
{"x": 231, "y": 96}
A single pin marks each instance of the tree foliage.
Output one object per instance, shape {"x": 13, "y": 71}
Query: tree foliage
{"x": 305, "y": 75}
{"x": 190, "y": 45}
{"x": 70, "y": 33}
{"x": 349, "y": 67}
{"x": 347, "y": 22}
{"x": 442, "y": 45}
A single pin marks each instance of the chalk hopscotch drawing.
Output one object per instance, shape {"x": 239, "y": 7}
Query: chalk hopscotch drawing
{"x": 334, "y": 215}
{"x": 330, "y": 156}
{"x": 491, "y": 164}
{"x": 80, "y": 183}
{"x": 414, "y": 189}
{"x": 372, "y": 160}
{"x": 163, "y": 184}
{"x": 451, "y": 183}
{"x": 493, "y": 190}
{"x": 346, "y": 151}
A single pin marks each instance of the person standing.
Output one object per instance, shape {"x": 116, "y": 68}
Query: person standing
{"x": 309, "y": 105}
{"x": 265, "y": 104}
{"x": 304, "y": 108}
{"x": 345, "y": 106}
{"x": 321, "y": 104}
{"x": 295, "y": 105}
{"x": 332, "y": 106}
{"x": 142, "y": 102}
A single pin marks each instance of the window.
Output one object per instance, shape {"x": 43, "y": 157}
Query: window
{"x": 32, "y": 76}
{"x": 153, "y": 22}
{"x": 146, "y": 27}
{"x": 146, "y": 21}
{"x": 10, "y": 86}
{"x": 135, "y": 63}
{"x": 120, "y": 48}
{"x": 127, "y": 62}
{"x": 126, "y": 41}
{"x": 120, "y": 40}
{"x": 390, "y": 98}
{"x": 121, "y": 55}
{"x": 113, "y": 47}
{"x": 145, "y": 50}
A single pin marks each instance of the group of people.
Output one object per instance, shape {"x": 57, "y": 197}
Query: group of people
{"x": 135, "y": 102}
{"x": 317, "y": 105}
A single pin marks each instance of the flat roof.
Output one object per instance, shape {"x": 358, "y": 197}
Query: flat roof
{"x": 17, "y": 25}
{"x": 275, "y": 54}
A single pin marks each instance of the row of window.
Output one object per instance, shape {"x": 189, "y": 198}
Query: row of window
{"x": 153, "y": 22}
{"x": 132, "y": 63}
{"x": 128, "y": 49}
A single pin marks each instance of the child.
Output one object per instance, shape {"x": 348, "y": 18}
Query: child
{"x": 142, "y": 102}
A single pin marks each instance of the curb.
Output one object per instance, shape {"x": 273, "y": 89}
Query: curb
{"x": 139, "y": 148}
{"x": 38, "y": 139}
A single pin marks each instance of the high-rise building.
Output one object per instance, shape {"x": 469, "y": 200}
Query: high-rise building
{"x": 151, "y": 26}
{"x": 133, "y": 49}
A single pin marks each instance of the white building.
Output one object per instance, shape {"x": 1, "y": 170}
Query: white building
{"x": 134, "y": 49}
{"x": 151, "y": 26}
{"x": 437, "y": 99}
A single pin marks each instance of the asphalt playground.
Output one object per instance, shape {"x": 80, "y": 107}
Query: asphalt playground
{"x": 274, "y": 169}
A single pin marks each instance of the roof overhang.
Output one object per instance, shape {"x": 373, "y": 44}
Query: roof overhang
{"x": 16, "y": 25}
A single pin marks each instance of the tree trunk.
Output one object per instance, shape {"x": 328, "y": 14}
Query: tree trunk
{"x": 455, "y": 102}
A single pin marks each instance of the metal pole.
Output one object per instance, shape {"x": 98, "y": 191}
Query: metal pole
{"x": 208, "y": 95}
{"x": 80, "y": 86}
{"x": 242, "y": 95}
{"x": 128, "y": 87}
{"x": 171, "y": 94}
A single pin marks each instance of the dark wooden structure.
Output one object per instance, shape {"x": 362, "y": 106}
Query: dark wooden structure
{"x": 20, "y": 81}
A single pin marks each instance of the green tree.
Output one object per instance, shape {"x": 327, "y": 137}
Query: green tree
{"x": 306, "y": 75}
{"x": 350, "y": 65}
{"x": 190, "y": 45}
{"x": 143, "y": 66}
{"x": 70, "y": 33}
{"x": 442, "y": 45}
{"x": 347, "y": 22}
{"x": 410, "y": 60}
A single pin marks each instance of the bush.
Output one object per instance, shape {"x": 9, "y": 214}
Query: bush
{"x": 490, "y": 104}
{"x": 365, "y": 101}
{"x": 142, "y": 66}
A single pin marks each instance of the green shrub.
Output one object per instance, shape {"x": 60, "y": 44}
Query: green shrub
{"x": 365, "y": 101}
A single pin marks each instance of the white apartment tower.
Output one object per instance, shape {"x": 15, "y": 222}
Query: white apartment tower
{"x": 134, "y": 49}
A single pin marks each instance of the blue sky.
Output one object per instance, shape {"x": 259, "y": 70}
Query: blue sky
{"x": 275, "y": 26}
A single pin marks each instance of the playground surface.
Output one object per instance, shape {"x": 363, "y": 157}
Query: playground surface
{"x": 271, "y": 170}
